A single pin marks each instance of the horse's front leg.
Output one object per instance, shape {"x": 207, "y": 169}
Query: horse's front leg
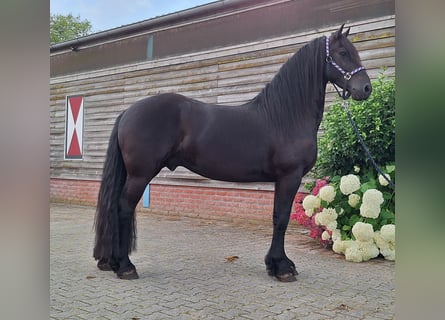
{"x": 277, "y": 263}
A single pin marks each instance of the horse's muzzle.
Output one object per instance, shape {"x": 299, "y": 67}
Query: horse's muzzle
{"x": 362, "y": 93}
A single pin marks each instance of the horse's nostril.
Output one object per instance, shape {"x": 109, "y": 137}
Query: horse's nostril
{"x": 367, "y": 88}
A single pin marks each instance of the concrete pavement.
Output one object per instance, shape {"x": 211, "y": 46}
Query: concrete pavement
{"x": 184, "y": 274}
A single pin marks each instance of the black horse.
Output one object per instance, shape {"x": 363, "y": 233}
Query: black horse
{"x": 272, "y": 138}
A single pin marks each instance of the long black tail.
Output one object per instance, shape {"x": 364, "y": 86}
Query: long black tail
{"x": 106, "y": 222}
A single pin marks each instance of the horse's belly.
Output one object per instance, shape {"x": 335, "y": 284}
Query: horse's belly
{"x": 228, "y": 168}
{"x": 230, "y": 174}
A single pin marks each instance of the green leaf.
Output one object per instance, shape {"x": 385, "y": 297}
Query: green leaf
{"x": 387, "y": 195}
{"x": 354, "y": 219}
{"x": 385, "y": 214}
{"x": 368, "y": 185}
{"x": 372, "y": 222}
{"x": 345, "y": 235}
{"x": 67, "y": 27}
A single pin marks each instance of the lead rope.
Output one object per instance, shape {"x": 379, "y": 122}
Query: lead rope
{"x": 345, "y": 105}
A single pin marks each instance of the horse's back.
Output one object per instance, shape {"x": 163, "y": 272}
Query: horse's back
{"x": 160, "y": 113}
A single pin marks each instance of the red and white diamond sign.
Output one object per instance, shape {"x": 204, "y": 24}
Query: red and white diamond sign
{"x": 74, "y": 127}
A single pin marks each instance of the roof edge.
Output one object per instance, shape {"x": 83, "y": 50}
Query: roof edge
{"x": 168, "y": 19}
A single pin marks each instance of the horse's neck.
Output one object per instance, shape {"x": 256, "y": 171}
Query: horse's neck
{"x": 294, "y": 99}
{"x": 311, "y": 116}
{"x": 288, "y": 115}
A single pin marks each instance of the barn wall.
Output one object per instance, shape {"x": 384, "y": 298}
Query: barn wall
{"x": 229, "y": 75}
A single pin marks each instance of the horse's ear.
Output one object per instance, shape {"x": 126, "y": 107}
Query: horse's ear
{"x": 338, "y": 34}
{"x": 346, "y": 33}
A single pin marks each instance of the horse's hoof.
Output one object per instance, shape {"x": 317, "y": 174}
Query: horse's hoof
{"x": 128, "y": 275}
{"x": 104, "y": 266}
{"x": 294, "y": 271}
{"x": 287, "y": 277}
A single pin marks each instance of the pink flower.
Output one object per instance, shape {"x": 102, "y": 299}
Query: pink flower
{"x": 316, "y": 232}
{"x": 319, "y": 183}
{"x": 301, "y": 216}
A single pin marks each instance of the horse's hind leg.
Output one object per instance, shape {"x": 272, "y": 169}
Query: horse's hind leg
{"x": 131, "y": 194}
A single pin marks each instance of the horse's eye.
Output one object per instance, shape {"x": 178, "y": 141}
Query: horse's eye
{"x": 343, "y": 53}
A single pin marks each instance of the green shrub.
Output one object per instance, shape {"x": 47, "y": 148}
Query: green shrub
{"x": 339, "y": 148}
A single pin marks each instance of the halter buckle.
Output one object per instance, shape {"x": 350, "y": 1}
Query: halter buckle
{"x": 347, "y": 76}
{"x": 328, "y": 59}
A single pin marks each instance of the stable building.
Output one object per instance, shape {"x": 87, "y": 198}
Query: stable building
{"x": 224, "y": 52}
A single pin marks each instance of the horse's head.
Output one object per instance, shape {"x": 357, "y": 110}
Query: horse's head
{"x": 344, "y": 67}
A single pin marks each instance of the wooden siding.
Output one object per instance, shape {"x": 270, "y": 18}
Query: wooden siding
{"x": 230, "y": 75}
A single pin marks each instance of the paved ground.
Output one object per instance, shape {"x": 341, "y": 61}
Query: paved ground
{"x": 184, "y": 274}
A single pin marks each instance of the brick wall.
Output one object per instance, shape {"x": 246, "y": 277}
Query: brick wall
{"x": 74, "y": 191}
{"x": 216, "y": 203}
{"x": 204, "y": 202}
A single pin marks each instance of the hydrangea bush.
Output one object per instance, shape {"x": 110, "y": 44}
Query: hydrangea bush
{"x": 339, "y": 148}
{"x": 354, "y": 214}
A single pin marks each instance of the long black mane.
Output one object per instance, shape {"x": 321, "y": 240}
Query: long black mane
{"x": 297, "y": 88}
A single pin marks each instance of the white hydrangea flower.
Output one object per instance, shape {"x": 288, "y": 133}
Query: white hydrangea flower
{"x": 373, "y": 196}
{"x": 349, "y": 184}
{"x": 359, "y": 251}
{"x": 330, "y": 213}
{"x": 318, "y": 219}
{"x": 309, "y": 212}
{"x": 353, "y": 200}
{"x": 369, "y": 211}
{"x": 368, "y": 249}
{"x": 349, "y": 243}
{"x": 383, "y": 181}
{"x": 339, "y": 246}
{"x": 336, "y": 235}
{"x": 353, "y": 253}
{"x": 331, "y": 226}
{"x": 327, "y": 193}
{"x": 388, "y": 232}
{"x": 379, "y": 241}
{"x": 356, "y": 169}
{"x": 388, "y": 253}
{"x": 311, "y": 202}
{"x": 363, "y": 231}
{"x": 325, "y": 235}
{"x": 387, "y": 248}
{"x": 371, "y": 201}
{"x": 326, "y": 216}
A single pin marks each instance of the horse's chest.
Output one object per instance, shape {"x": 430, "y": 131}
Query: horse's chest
{"x": 298, "y": 155}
